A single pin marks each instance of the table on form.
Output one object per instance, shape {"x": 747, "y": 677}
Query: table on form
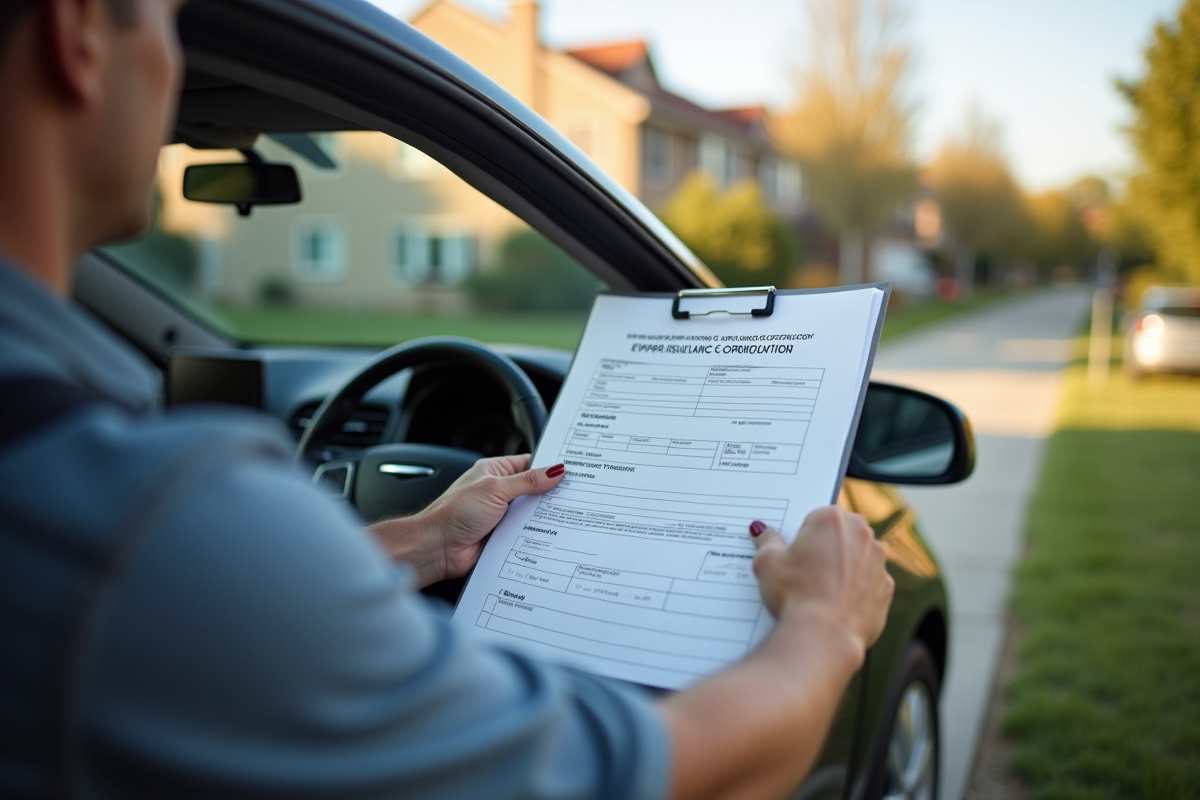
{"x": 687, "y": 625}
{"x": 656, "y": 514}
{"x": 745, "y": 392}
{"x": 754, "y": 395}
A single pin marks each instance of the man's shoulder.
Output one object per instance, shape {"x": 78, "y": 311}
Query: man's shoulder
{"x": 102, "y": 429}
{"x": 101, "y": 467}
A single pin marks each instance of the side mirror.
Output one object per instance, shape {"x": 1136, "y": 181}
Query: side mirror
{"x": 245, "y": 184}
{"x": 906, "y": 436}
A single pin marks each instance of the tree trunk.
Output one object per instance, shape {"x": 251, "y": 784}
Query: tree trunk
{"x": 964, "y": 273}
{"x": 851, "y": 257}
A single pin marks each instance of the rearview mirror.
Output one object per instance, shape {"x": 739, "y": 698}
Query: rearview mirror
{"x": 244, "y": 184}
{"x": 906, "y": 436}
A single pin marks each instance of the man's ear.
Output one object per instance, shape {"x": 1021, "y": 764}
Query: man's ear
{"x": 76, "y": 36}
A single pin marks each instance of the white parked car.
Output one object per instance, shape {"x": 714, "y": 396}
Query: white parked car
{"x": 1163, "y": 335}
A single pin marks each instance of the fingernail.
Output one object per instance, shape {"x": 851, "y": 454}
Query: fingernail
{"x": 756, "y": 528}
{"x": 556, "y": 470}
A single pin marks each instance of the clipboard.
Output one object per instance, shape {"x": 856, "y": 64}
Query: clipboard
{"x": 684, "y": 416}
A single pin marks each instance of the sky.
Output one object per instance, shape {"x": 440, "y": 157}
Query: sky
{"x": 1045, "y": 69}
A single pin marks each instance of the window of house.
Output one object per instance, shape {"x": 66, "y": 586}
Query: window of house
{"x": 733, "y": 164}
{"x": 780, "y": 181}
{"x": 712, "y": 157}
{"x": 768, "y": 173}
{"x": 748, "y": 164}
{"x": 788, "y": 183}
{"x": 431, "y": 252}
{"x": 687, "y": 154}
{"x": 319, "y": 249}
{"x": 656, "y": 148}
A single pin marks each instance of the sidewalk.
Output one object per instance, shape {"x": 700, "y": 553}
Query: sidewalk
{"x": 1003, "y": 367}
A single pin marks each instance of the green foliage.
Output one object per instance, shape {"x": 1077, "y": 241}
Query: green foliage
{"x": 1165, "y": 191}
{"x": 981, "y": 203}
{"x": 1121, "y": 230}
{"x": 385, "y": 328}
{"x": 532, "y": 275}
{"x": 734, "y": 233}
{"x": 1136, "y": 280}
{"x": 277, "y": 291}
{"x": 1110, "y": 221}
{"x": 1057, "y": 234}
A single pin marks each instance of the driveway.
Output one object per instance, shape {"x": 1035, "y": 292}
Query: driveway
{"x": 1003, "y": 366}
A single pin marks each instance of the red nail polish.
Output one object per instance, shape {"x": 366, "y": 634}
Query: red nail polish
{"x": 756, "y": 528}
{"x": 556, "y": 470}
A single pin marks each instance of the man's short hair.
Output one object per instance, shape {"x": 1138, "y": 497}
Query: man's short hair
{"x": 124, "y": 12}
{"x": 11, "y": 12}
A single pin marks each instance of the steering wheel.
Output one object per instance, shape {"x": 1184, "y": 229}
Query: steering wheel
{"x": 396, "y": 479}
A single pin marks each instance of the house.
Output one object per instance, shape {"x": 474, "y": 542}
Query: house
{"x": 608, "y": 100}
{"x": 389, "y": 227}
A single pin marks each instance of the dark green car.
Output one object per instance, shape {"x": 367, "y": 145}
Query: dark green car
{"x": 364, "y": 187}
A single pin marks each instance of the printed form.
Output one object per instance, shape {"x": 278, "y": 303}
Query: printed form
{"x": 676, "y": 435}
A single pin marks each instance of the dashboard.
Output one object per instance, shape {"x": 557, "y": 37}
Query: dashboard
{"x": 437, "y": 403}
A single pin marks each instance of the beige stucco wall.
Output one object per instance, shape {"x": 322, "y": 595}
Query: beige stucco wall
{"x": 598, "y": 113}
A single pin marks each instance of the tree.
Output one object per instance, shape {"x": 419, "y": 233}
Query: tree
{"x": 532, "y": 274}
{"x": 1164, "y": 193}
{"x": 734, "y": 233}
{"x": 981, "y": 203}
{"x": 1122, "y": 230}
{"x": 851, "y": 125}
{"x": 1110, "y": 221}
{"x": 1058, "y": 236}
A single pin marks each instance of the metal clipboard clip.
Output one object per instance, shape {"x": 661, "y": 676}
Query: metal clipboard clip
{"x": 767, "y": 292}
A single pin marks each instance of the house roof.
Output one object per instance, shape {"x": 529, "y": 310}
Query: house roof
{"x": 751, "y": 115}
{"x": 630, "y": 62}
{"x": 614, "y": 57}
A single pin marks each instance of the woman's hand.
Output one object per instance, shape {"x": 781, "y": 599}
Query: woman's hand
{"x": 445, "y": 539}
{"x": 834, "y": 569}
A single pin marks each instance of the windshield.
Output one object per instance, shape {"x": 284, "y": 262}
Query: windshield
{"x": 386, "y": 245}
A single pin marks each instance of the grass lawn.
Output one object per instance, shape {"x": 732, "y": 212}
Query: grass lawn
{"x": 374, "y": 328}
{"x": 1106, "y": 703}
{"x": 307, "y": 326}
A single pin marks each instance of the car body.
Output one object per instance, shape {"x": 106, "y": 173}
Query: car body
{"x": 263, "y": 66}
{"x": 1163, "y": 334}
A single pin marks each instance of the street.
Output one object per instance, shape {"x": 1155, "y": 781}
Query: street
{"x": 1003, "y": 367}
